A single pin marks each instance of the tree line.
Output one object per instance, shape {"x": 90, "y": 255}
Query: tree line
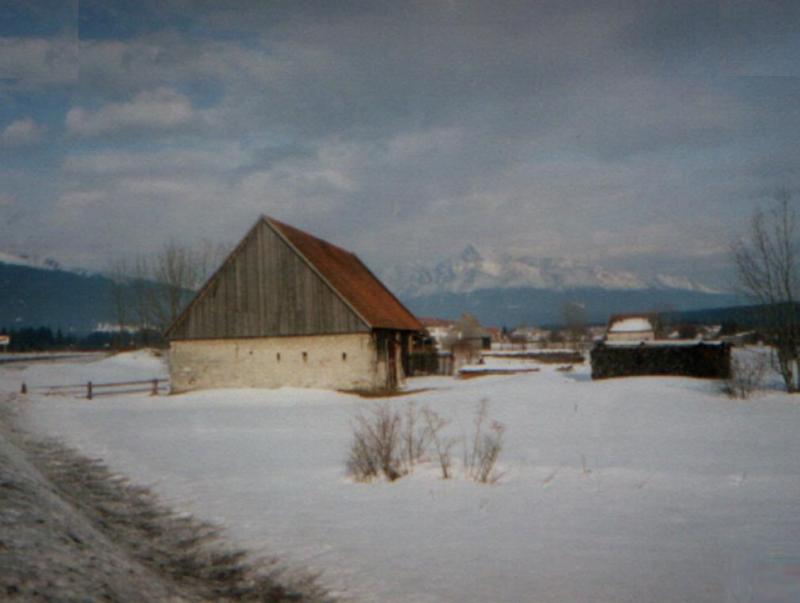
{"x": 37, "y": 339}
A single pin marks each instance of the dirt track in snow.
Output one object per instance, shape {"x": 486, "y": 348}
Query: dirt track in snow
{"x": 70, "y": 530}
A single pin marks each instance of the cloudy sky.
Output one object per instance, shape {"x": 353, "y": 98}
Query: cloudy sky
{"x": 635, "y": 135}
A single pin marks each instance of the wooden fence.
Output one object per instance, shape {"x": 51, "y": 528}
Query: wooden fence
{"x": 430, "y": 363}
{"x": 91, "y": 390}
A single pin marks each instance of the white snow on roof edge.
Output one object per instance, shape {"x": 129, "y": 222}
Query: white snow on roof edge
{"x": 631, "y": 325}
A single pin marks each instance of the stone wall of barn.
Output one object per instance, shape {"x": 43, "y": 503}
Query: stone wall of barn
{"x": 347, "y": 362}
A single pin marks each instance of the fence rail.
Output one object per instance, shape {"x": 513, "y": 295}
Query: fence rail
{"x": 92, "y": 390}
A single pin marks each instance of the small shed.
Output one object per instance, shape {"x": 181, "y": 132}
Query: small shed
{"x": 289, "y": 309}
{"x": 704, "y": 359}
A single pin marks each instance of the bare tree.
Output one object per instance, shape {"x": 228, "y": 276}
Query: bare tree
{"x": 176, "y": 272}
{"x": 151, "y": 290}
{"x": 767, "y": 270}
{"x": 119, "y": 272}
{"x": 140, "y": 281}
{"x": 574, "y": 315}
{"x": 467, "y": 328}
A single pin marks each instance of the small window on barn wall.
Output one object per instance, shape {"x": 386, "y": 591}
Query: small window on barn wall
{"x": 344, "y": 355}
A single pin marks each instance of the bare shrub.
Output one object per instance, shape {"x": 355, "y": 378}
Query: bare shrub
{"x": 747, "y": 375}
{"x": 388, "y": 444}
{"x": 480, "y": 458}
{"x": 362, "y": 463}
{"x": 416, "y": 437}
{"x": 442, "y": 446}
{"x": 584, "y": 465}
{"x": 375, "y": 449}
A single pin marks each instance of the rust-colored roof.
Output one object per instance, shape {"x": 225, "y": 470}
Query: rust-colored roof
{"x": 351, "y": 279}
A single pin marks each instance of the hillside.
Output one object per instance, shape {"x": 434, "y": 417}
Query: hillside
{"x": 70, "y": 301}
{"x": 505, "y": 291}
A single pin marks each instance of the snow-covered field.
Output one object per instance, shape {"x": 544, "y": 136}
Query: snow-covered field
{"x": 646, "y": 489}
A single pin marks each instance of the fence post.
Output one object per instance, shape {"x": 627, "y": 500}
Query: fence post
{"x": 89, "y": 390}
{"x": 154, "y": 391}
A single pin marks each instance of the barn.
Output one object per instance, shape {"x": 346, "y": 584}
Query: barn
{"x": 289, "y": 309}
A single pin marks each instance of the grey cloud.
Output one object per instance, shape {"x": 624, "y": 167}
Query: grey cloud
{"x": 21, "y": 132}
{"x": 28, "y": 64}
{"x": 157, "y": 110}
{"x": 608, "y": 130}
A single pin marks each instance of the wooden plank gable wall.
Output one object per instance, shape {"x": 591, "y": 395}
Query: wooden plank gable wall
{"x": 265, "y": 289}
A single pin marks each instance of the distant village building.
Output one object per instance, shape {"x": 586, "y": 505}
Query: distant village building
{"x": 529, "y": 334}
{"x": 709, "y": 331}
{"x": 743, "y": 338}
{"x": 289, "y": 309}
{"x": 631, "y": 327}
{"x": 497, "y": 335}
{"x": 597, "y": 332}
{"x": 465, "y": 341}
{"x": 437, "y": 328}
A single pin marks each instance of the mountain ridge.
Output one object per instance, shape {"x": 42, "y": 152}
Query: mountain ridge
{"x": 42, "y": 293}
{"x": 471, "y": 271}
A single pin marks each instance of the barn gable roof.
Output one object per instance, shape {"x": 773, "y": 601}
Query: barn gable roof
{"x": 351, "y": 279}
{"x": 341, "y": 271}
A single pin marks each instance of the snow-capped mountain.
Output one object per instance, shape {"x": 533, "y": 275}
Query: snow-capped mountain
{"x": 29, "y": 262}
{"x": 471, "y": 271}
{"x": 39, "y": 263}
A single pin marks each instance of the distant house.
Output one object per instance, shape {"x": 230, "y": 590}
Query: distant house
{"x": 437, "y": 328}
{"x": 465, "y": 341}
{"x": 529, "y": 334}
{"x": 289, "y": 309}
{"x": 631, "y": 327}
{"x": 496, "y": 335}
